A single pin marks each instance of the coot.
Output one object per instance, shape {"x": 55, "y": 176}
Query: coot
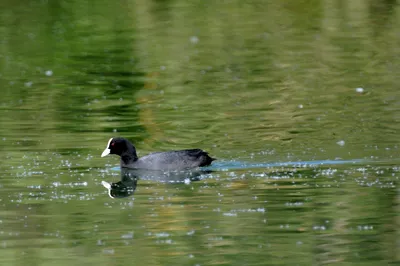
{"x": 170, "y": 160}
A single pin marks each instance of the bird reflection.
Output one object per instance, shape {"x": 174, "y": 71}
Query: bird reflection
{"x": 129, "y": 178}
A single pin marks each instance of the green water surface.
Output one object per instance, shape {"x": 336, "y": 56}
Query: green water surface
{"x": 254, "y": 83}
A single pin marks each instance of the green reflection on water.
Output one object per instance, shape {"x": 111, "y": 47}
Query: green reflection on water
{"x": 252, "y": 82}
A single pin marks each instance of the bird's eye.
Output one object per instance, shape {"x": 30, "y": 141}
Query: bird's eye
{"x": 112, "y": 144}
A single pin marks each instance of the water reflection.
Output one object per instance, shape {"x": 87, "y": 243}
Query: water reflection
{"x": 129, "y": 178}
{"x": 121, "y": 189}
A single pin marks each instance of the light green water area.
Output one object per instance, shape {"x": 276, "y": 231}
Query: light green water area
{"x": 298, "y": 100}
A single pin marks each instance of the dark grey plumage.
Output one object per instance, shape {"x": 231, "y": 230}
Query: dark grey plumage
{"x": 170, "y": 160}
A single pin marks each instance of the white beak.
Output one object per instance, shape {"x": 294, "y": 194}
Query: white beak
{"x": 107, "y": 150}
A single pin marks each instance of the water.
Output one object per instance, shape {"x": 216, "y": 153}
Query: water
{"x": 297, "y": 101}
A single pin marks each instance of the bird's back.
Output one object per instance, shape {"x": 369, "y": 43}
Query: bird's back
{"x": 173, "y": 160}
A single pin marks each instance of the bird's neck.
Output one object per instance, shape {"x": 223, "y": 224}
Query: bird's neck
{"x": 129, "y": 157}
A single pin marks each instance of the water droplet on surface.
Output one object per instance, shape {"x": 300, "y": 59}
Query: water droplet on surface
{"x": 108, "y": 251}
{"x": 194, "y": 39}
{"x": 28, "y": 84}
{"x": 127, "y": 236}
{"x": 340, "y": 143}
